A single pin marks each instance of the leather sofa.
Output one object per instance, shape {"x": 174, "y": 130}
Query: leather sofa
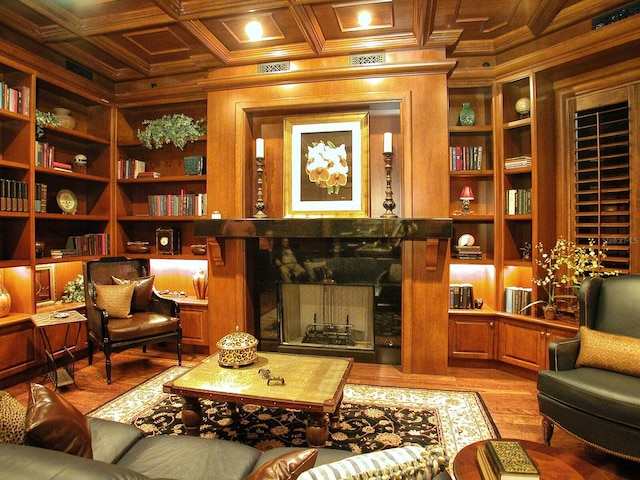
{"x": 121, "y": 452}
{"x": 592, "y": 387}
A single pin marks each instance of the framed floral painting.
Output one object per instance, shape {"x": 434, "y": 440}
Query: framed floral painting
{"x": 326, "y": 165}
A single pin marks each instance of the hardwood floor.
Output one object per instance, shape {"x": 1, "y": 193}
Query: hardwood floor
{"x": 510, "y": 399}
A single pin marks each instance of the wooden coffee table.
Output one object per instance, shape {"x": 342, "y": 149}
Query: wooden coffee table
{"x": 554, "y": 464}
{"x": 312, "y": 384}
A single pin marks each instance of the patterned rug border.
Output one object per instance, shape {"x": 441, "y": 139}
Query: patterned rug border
{"x": 463, "y": 416}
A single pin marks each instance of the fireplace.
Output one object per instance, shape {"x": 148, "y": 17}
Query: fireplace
{"x": 345, "y": 295}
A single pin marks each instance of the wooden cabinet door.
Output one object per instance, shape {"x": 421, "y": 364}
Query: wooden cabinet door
{"x": 194, "y": 325}
{"x": 522, "y": 344}
{"x": 471, "y": 337}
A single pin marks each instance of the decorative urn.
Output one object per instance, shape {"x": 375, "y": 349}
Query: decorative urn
{"x": 237, "y": 349}
{"x": 5, "y": 301}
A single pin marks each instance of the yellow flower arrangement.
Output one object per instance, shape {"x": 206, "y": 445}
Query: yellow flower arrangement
{"x": 565, "y": 266}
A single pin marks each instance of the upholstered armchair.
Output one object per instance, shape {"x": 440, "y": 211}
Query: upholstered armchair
{"x": 592, "y": 389}
{"x": 124, "y": 309}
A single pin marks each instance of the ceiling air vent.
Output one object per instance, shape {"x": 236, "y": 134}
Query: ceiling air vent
{"x": 79, "y": 69}
{"x": 615, "y": 15}
{"x": 274, "y": 67}
{"x": 367, "y": 59}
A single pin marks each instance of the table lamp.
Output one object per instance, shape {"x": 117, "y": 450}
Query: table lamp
{"x": 466, "y": 196}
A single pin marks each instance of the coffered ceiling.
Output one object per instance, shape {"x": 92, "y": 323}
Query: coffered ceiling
{"x": 123, "y": 40}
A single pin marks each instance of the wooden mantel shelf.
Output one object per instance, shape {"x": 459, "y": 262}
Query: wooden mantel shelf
{"x": 433, "y": 230}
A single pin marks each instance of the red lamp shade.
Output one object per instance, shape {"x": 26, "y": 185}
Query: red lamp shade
{"x": 466, "y": 193}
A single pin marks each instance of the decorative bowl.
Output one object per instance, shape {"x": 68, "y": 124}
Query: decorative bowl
{"x": 237, "y": 349}
{"x": 138, "y": 247}
{"x": 199, "y": 249}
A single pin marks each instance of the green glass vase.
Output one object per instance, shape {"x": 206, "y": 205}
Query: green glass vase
{"x": 467, "y": 116}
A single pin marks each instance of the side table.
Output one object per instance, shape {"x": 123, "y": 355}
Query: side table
{"x": 60, "y": 362}
{"x": 553, "y": 463}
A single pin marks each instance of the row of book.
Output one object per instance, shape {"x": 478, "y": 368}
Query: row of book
{"x": 516, "y": 299}
{"x": 15, "y": 99}
{"x": 46, "y": 157}
{"x": 520, "y": 161}
{"x": 466, "y": 158}
{"x": 505, "y": 460}
{"x": 90, "y": 244}
{"x": 182, "y": 204}
{"x": 130, "y": 168}
{"x": 40, "y": 201}
{"x": 461, "y": 296}
{"x": 13, "y": 196}
{"x": 518, "y": 201}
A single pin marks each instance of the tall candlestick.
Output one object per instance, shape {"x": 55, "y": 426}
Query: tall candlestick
{"x": 259, "y": 170}
{"x": 388, "y": 203}
{"x": 388, "y": 143}
{"x": 260, "y": 147}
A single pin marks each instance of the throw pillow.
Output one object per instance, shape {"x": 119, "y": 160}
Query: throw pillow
{"x": 607, "y": 351}
{"x": 54, "y": 423}
{"x": 141, "y": 292}
{"x": 12, "y": 419}
{"x": 408, "y": 462}
{"x": 287, "y": 466}
{"x": 115, "y": 299}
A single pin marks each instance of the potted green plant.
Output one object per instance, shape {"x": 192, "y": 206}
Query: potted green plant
{"x": 45, "y": 119}
{"x": 177, "y": 129}
{"x": 564, "y": 267}
{"x": 73, "y": 290}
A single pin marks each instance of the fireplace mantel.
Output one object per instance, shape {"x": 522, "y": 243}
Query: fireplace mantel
{"x": 433, "y": 230}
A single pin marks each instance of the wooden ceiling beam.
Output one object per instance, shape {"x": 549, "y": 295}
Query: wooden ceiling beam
{"x": 309, "y": 26}
{"x": 543, "y": 15}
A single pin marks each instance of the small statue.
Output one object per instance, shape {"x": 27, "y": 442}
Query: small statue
{"x": 525, "y": 252}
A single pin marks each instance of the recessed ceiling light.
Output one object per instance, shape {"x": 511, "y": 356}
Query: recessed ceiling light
{"x": 364, "y": 18}
{"x": 254, "y": 30}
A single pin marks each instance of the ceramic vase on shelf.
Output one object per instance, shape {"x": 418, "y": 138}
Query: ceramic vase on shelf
{"x": 200, "y": 284}
{"x": 467, "y": 116}
{"x": 550, "y": 312}
{"x": 5, "y": 301}
{"x": 65, "y": 118}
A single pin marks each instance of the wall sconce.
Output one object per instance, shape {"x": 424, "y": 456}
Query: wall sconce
{"x": 466, "y": 195}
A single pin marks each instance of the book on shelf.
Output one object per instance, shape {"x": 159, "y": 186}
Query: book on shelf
{"x": 518, "y": 201}
{"x": 63, "y": 252}
{"x": 65, "y": 167}
{"x": 149, "y": 174}
{"x": 13, "y": 195}
{"x": 473, "y": 252}
{"x": 520, "y": 161}
{"x": 130, "y": 167}
{"x": 516, "y": 299}
{"x": 506, "y": 460}
{"x": 466, "y": 158}
{"x": 461, "y": 296}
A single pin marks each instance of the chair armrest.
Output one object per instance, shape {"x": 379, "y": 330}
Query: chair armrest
{"x": 564, "y": 353}
{"x": 165, "y": 306}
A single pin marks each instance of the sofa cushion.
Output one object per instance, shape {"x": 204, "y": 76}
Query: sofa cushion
{"x": 602, "y": 393}
{"x": 111, "y": 440}
{"x": 182, "y": 457}
{"x": 617, "y": 353}
{"x": 54, "y": 423}
{"x": 22, "y": 462}
{"x": 287, "y": 466}
{"x": 141, "y": 292}
{"x": 408, "y": 462}
{"x": 115, "y": 299}
{"x": 13, "y": 417}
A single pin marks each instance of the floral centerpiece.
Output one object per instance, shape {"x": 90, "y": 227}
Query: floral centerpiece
{"x": 74, "y": 290}
{"x": 45, "y": 119}
{"x": 565, "y": 266}
{"x": 177, "y": 129}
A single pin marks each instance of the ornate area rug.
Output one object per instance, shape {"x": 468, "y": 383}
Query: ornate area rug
{"x": 371, "y": 418}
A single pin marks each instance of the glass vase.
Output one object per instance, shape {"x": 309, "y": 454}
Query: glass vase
{"x": 5, "y": 301}
{"x": 200, "y": 284}
{"x": 467, "y": 116}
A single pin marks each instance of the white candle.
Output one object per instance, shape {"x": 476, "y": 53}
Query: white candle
{"x": 388, "y": 145}
{"x": 260, "y": 147}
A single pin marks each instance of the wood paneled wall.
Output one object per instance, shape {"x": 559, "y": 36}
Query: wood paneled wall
{"x": 239, "y": 115}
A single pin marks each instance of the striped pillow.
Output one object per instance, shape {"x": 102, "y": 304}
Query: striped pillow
{"x": 402, "y": 463}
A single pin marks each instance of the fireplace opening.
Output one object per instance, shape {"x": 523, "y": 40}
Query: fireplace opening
{"x": 327, "y": 296}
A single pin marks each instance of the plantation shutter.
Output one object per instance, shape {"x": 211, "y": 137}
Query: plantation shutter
{"x": 602, "y": 188}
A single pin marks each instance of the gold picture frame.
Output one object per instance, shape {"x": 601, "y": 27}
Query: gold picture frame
{"x": 326, "y": 165}
{"x": 45, "y": 285}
